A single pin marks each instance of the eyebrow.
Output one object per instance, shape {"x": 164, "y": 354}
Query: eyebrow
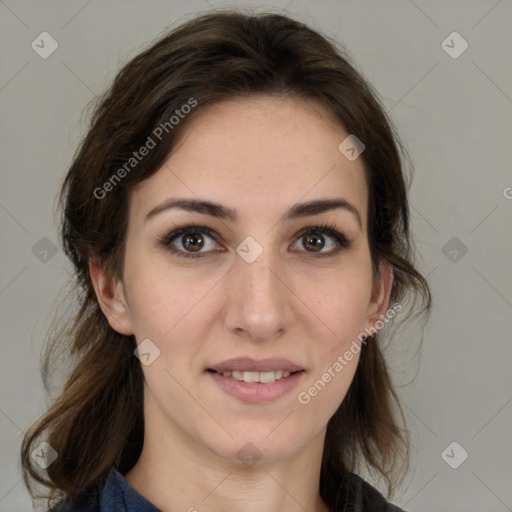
{"x": 222, "y": 212}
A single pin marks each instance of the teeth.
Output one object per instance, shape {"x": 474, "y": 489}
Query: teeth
{"x": 266, "y": 377}
{"x": 263, "y": 377}
{"x": 251, "y": 376}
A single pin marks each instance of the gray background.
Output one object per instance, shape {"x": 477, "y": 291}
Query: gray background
{"x": 455, "y": 117}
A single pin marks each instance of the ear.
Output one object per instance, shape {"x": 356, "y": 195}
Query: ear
{"x": 380, "y": 293}
{"x": 111, "y": 298}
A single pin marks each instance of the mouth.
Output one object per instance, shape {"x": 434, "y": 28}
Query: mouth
{"x": 253, "y": 381}
{"x": 266, "y": 377}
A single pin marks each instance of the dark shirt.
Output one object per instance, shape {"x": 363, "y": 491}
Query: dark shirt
{"x": 118, "y": 496}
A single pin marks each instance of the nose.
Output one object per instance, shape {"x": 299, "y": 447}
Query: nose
{"x": 260, "y": 303}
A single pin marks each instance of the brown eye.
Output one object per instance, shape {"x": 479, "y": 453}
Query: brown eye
{"x": 188, "y": 242}
{"x": 313, "y": 242}
{"x": 192, "y": 242}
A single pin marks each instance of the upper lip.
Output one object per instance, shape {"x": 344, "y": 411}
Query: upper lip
{"x": 252, "y": 365}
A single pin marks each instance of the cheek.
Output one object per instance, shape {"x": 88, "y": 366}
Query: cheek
{"x": 342, "y": 308}
{"x": 343, "y": 302}
{"x": 159, "y": 298}
{"x": 336, "y": 357}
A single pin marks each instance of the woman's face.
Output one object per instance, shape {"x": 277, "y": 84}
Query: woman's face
{"x": 256, "y": 286}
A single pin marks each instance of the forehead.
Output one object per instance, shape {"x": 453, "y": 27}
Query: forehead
{"x": 258, "y": 155}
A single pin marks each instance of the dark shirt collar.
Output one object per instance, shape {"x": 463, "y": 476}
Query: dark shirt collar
{"x": 119, "y": 496}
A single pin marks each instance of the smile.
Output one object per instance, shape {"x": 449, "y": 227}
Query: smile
{"x": 263, "y": 377}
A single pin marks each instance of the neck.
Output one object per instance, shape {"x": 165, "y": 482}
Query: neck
{"x": 175, "y": 472}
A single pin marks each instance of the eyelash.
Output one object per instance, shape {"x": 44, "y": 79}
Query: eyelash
{"x": 199, "y": 229}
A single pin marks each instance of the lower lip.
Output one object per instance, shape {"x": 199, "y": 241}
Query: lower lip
{"x": 256, "y": 392}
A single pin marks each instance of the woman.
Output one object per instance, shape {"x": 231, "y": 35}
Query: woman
{"x": 238, "y": 221}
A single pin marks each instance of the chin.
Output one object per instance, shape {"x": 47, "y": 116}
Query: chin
{"x": 257, "y": 444}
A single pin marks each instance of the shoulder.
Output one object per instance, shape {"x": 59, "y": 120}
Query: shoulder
{"x": 351, "y": 493}
{"x": 116, "y": 495}
{"x": 369, "y": 499}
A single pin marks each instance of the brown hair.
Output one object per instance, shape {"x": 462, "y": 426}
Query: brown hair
{"x": 96, "y": 423}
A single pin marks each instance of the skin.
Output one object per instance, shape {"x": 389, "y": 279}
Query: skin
{"x": 259, "y": 156}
